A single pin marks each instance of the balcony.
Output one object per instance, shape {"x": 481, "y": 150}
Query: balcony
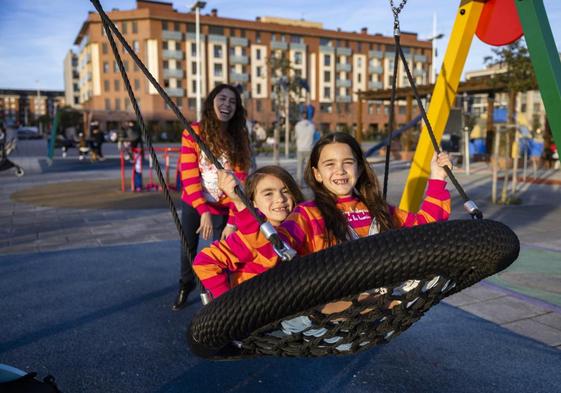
{"x": 343, "y": 99}
{"x": 238, "y": 59}
{"x": 173, "y": 73}
{"x": 172, "y": 35}
{"x": 376, "y": 54}
{"x": 375, "y": 69}
{"x": 235, "y": 77}
{"x": 418, "y": 72}
{"x": 298, "y": 46}
{"x": 390, "y": 55}
{"x": 344, "y": 51}
{"x": 279, "y": 45}
{"x": 343, "y": 67}
{"x": 374, "y": 85}
{"x": 217, "y": 38}
{"x": 172, "y": 54}
{"x": 238, "y": 41}
{"x": 193, "y": 37}
{"x": 326, "y": 49}
{"x": 421, "y": 58}
{"x": 343, "y": 83}
{"x": 174, "y": 91}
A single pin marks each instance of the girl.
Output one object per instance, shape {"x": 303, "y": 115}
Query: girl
{"x": 227, "y": 263}
{"x": 205, "y": 208}
{"x": 347, "y": 202}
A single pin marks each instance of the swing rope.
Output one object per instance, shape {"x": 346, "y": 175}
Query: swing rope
{"x": 469, "y": 205}
{"x": 283, "y": 250}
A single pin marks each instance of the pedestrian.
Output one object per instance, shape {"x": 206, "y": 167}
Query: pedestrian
{"x": 205, "y": 209}
{"x": 304, "y": 131}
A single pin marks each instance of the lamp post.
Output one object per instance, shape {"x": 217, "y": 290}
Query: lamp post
{"x": 433, "y": 39}
{"x": 197, "y": 6}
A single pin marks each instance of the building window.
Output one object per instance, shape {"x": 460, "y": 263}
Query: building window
{"x": 104, "y": 48}
{"x": 136, "y": 46}
{"x": 296, "y": 39}
{"x": 137, "y": 84}
{"x": 125, "y": 27}
{"x": 217, "y": 51}
{"x": 194, "y": 85}
{"x": 134, "y": 27}
{"x": 327, "y": 76}
{"x": 107, "y": 104}
{"x": 105, "y": 67}
{"x": 164, "y": 25}
{"x": 126, "y": 65}
{"x": 325, "y": 42}
{"x": 176, "y": 26}
{"x": 298, "y": 58}
{"x": 179, "y": 102}
{"x": 327, "y": 92}
{"x": 115, "y": 66}
{"x": 194, "y": 67}
{"x": 258, "y": 86}
{"x": 117, "y": 84}
{"x": 165, "y": 45}
{"x": 327, "y": 60}
{"x": 326, "y": 108}
{"x": 258, "y": 71}
{"x": 135, "y": 67}
{"x": 106, "y": 85}
{"x": 258, "y": 105}
{"x": 359, "y": 78}
{"x": 258, "y": 54}
{"x": 218, "y": 70}
{"x": 258, "y": 37}
{"x": 194, "y": 49}
{"x": 216, "y": 30}
{"x": 117, "y": 104}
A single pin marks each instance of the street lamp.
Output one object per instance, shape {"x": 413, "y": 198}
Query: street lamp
{"x": 197, "y": 6}
{"x": 433, "y": 39}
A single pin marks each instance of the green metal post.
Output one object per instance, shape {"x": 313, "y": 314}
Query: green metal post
{"x": 545, "y": 59}
{"x": 54, "y": 128}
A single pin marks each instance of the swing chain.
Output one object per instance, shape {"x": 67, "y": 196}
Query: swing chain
{"x": 396, "y": 11}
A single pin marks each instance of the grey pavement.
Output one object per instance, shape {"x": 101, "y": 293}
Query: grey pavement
{"x": 504, "y": 321}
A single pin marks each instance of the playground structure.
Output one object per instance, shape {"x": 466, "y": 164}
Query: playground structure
{"x": 168, "y": 155}
{"x": 496, "y": 22}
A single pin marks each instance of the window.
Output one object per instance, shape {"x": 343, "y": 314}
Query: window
{"x": 296, "y": 39}
{"x": 258, "y": 86}
{"x": 327, "y": 92}
{"x": 134, "y": 27}
{"x": 104, "y": 48}
{"x": 117, "y": 84}
{"x": 166, "y": 82}
{"x": 179, "y": 102}
{"x": 136, "y": 46}
{"x": 194, "y": 85}
{"x": 117, "y": 104}
{"x": 325, "y": 42}
{"x": 194, "y": 49}
{"x": 298, "y": 58}
{"x": 165, "y": 45}
{"x": 107, "y": 104}
{"x": 106, "y": 85}
{"x": 327, "y": 76}
{"x": 115, "y": 66}
{"x": 135, "y": 67}
{"x": 192, "y": 103}
{"x": 194, "y": 68}
{"x": 105, "y": 67}
{"x": 137, "y": 84}
{"x": 218, "y": 70}
{"x": 359, "y": 62}
{"x": 125, "y": 27}
{"x": 258, "y": 71}
{"x": 258, "y": 54}
{"x": 176, "y": 26}
{"x": 327, "y": 60}
{"x": 242, "y": 33}
{"x": 326, "y": 108}
{"x": 126, "y": 65}
{"x": 258, "y": 105}
{"x": 216, "y": 30}
{"x": 217, "y": 51}
{"x": 164, "y": 25}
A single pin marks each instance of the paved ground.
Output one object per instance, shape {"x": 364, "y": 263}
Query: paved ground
{"x": 86, "y": 279}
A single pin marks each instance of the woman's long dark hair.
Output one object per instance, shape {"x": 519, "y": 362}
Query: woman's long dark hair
{"x": 279, "y": 173}
{"x": 367, "y": 188}
{"x": 235, "y": 142}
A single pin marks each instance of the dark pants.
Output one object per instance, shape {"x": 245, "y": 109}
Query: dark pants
{"x": 190, "y": 220}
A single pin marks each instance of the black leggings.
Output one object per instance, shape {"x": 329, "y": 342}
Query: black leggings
{"x": 190, "y": 220}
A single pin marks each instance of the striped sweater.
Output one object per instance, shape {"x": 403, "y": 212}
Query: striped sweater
{"x": 246, "y": 253}
{"x": 199, "y": 177}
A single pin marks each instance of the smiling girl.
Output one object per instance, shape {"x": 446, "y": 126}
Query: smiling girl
{"x": 229, "y": 262}
{"x": 205, "y": 208}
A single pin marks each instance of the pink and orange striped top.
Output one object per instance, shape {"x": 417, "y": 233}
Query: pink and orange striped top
{"x": 246, "y": 253}
{"x": 198, "y": 178}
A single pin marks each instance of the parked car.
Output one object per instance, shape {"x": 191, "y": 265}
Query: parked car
{"x": 28, "y": 133}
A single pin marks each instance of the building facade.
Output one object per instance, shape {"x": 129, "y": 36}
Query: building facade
{"x": 25, "y": 107}
{"x": 71, "y": 80}
{"x": 334, "y": 63}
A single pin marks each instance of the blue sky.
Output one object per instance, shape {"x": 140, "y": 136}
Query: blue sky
{"x": 35, "y": 35}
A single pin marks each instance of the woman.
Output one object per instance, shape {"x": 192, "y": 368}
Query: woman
{"x": 205, "y": 208}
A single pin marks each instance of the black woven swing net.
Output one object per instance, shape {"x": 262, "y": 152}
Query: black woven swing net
{"x": 353, "y": 296}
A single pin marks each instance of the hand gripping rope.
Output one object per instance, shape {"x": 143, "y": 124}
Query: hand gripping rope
{"x": 283, "y": 250}
{"x": 469, "y": 205}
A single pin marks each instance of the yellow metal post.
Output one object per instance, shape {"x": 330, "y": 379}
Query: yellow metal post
{"x": 442, "y": 100}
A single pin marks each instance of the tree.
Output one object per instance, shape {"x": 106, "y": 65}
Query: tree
{"x": 517, "y": 75}
{"x": 286, "y": 85}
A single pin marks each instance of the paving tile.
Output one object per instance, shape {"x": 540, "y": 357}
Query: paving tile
{"x": 481, "y": 292}
{"x": 537, "y": 331}
{"x": 505, "y": 309}
{"x": 460, "y": 299}
{"x": 552, "y": 320}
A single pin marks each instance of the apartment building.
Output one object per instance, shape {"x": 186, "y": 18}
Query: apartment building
{"x": 336, "y": 64}
{"x": 24, "y": 107}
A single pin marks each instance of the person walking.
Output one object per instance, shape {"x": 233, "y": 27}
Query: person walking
{"x": 304, "y": 131}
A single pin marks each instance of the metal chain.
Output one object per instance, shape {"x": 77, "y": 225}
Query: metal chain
{"x": 396, "y": 11}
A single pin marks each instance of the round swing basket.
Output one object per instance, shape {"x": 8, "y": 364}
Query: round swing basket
{"x": 352, "y": 296}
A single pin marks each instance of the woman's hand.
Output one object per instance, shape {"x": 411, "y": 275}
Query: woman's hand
{"x": 437, "y": 166}
{"x": 205, "y": 229}
{"x": 227, "y": 182}
{"x": 228, "y": 230}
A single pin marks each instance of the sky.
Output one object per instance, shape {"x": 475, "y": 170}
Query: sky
{"x": 35, "y": 35}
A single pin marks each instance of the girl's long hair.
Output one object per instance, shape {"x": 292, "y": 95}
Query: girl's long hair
{"x": 235, "y": 141}
{"x": 367, "y": 188}
{"x": 279, "y": 173}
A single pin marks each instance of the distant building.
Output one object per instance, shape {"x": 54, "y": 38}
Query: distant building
{"x": 71, "y": 80}
{"x": 335, "y": 64}
{"x": 24, "y": 107}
